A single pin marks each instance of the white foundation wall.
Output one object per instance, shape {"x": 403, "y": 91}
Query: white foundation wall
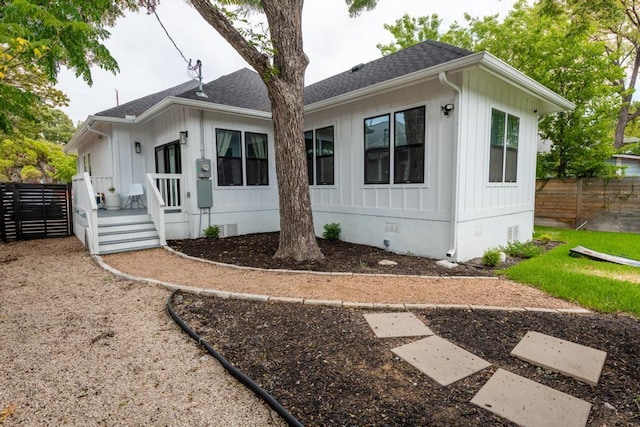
{"x": 405, "y": 236}
{"x": 475, "y": 237}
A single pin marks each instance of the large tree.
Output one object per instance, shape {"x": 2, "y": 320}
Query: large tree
{"x": 279, "y": 58}
{"x": 551, "y": 49}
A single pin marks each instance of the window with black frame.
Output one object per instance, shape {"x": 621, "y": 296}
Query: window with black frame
{"x": 409, "y": 126}
{"x": 168, "y": 158}
{"x": 376, "y": 150}
{"x": 229, "y": 152}
{"x": 308, "y": 143}
{"x": 324, "y": 156}
{"x": 256, "y": 148}
{"x": 503, "y": 157}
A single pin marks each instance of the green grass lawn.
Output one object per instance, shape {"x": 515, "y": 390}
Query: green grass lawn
{"x": 596, "y": 285}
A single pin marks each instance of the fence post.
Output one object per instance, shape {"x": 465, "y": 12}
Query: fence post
{"x": 578, "y": 203}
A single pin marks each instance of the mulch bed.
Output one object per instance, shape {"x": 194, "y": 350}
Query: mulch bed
{"x": 257, "y": 250}
{"x": 326, "y": 367}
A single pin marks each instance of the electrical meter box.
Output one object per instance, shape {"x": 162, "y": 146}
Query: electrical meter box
{"x": 203, "y": 168}
{"x": 205, "y": 193}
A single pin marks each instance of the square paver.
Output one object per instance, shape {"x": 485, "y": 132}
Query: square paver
{"x": 440, "y": 359}
{"x": 392, "y": 325}
{"x": 575, "y": 360}
{"x": 531, "y": 404}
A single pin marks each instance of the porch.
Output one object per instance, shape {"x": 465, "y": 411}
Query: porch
{"x": 106, "y": 231}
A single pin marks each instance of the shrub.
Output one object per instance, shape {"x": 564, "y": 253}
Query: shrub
{"x": 332, "y": 231}
{"x": 212, "y": 231}
{"x": 491, "y": 257}
{"x": 523, "y": 250}
{"x": 545, "y": 238}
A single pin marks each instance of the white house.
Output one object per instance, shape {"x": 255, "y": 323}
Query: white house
{"x": 430, "y": 150}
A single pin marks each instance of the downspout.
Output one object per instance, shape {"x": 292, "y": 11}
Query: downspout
{"x": 453, "y": 244}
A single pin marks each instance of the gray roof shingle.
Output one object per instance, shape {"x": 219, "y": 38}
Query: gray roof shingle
{"x": 245, "y": 89}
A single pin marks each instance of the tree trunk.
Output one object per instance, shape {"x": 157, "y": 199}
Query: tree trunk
{"x": 284, "y": 80}
{"x": 623, "y": 119}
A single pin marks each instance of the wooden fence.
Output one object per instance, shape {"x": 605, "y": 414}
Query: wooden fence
{"x": 589, "y": 203}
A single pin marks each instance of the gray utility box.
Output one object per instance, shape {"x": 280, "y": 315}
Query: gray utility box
{"x": 205, "y": 193}
{"x": 203, "y": 168}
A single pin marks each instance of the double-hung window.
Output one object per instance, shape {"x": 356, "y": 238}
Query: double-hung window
{"x": 408, "y": 147}
{"x": 503, "y": 158}
{"x": 257, "y": 162}
{"x": 376, "y": 150}
{"x": 320, "y": 149}
{"x": 229, "y": 149}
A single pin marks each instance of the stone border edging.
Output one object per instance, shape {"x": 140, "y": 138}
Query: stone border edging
{"x": 319, "y": 273}
{"x": 331, "y": 303}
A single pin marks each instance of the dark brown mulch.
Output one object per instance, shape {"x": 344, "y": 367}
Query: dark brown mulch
{"x": 326, "y": 367}
{"x": 257, "y": 250}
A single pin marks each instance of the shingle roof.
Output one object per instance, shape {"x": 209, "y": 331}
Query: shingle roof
{"x": 245, "y": 89}
{"x": 140, "y": 105}
{"x": 415, "y": 58}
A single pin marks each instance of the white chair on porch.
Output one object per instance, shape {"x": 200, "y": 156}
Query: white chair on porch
{"x": 134, "y": 196}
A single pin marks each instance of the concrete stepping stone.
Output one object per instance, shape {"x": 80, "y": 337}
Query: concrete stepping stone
{"x": 566, "y": 357}
{"x": 529, "y": 403}
{"x": 440, "y": 359}
{"x": 393, "y": 325}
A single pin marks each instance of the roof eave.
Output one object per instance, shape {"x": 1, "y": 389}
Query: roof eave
{"x": 160, "y": 107}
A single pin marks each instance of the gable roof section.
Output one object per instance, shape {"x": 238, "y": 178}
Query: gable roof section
{"x": 242, "y": 89}
{"x": 406, "y": 61}
{"x": 140, "y": 105}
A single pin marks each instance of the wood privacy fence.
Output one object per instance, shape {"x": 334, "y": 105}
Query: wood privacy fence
{"x": 35, "y": 211}
{"x": 589, "y": 203}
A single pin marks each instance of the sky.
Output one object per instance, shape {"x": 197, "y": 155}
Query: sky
{"x": 149, "y": 62}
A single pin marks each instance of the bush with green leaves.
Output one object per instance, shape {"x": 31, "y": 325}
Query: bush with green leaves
{"x": 545, "y": 238}
{"x": 523, "y": 249}
{"x": 332, "y": 231}
{"x": 491, "y": 257}
{"x": 212, "y": 231}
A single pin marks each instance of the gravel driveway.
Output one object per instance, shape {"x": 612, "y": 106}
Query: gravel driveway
{"x": 80, "y": 347}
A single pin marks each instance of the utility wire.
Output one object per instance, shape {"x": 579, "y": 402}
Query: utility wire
{"x": 172, "y": 41}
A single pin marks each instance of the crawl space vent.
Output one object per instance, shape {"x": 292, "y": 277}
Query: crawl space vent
{"x": 513, "y": 234}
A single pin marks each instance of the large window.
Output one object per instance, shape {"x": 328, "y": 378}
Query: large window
{"x": 503, "y": 159}
{"x": 376, "y": 150}
{"x": 229, "y": 149}
{"x": 168, "y": 158}
{"x": 409, "y": 146}
{"x": 323, "y": 153}
{"x": 257, "y": 162}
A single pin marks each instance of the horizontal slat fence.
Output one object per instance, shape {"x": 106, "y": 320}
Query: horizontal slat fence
{"x": 589, "y": 203}
{"x": 35, "y": 211}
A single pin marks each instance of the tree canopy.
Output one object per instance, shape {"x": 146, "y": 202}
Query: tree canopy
{"x": 555, "y": 51}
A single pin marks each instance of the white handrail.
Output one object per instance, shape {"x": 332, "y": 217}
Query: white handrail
{"x": 85, "y": 201}
{"x": 170, "y": 187}
{"x": 156, "y": 207}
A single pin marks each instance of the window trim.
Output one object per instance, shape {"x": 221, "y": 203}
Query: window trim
{"x": 314, "y": 158}
{"x": 218, "y": 158}
{"x": 421, "y": 145}
{"x": 378, "y": 150}
{"x": 260, "y": 160}
{"x": 505, "y": 147}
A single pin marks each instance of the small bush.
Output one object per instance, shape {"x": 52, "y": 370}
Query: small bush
{"x": 523, "y": 250}
{"x": 491, "y": 257}
{"x": 332, "y": 231}
{"x": 545, "y": 238}
{"x": 212, "y": 231}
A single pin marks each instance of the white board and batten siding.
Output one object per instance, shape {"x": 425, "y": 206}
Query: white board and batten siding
{"x": 493, "y": 214}
{"x": 411, "y": 217}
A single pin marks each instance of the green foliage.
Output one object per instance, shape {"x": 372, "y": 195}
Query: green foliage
{"x": 212, "y": 231}
{"x": 491, "y": 257}
{"x": 332, "y": 231}
{"x": 524, "y": 250}
{"x": 597, "y": 285}
{"x": 556, "y": 52}
{"x": 545, "y": 238}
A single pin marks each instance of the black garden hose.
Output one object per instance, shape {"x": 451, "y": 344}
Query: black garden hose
{"x": 239, "y": 375}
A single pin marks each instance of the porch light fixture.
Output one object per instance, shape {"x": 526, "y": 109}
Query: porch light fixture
{"x": 447, "y": 108}
{"x": 184, "y": 134}
{"x": 138, "y": 147}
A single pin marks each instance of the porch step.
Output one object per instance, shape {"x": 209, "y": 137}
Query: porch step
{"x": 126, "y": 233}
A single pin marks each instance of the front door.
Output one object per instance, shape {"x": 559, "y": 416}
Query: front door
{"x": 169, "y": 161}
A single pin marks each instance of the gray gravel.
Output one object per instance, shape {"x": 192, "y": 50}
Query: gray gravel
{"x": 80, "y": 347}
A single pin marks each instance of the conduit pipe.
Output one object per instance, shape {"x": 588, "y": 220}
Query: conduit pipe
{"x": 239, "y": 375}
{"x": 453, "y": 235}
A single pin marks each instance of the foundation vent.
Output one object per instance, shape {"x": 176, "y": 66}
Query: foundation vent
{"x": 513, "y": 234}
